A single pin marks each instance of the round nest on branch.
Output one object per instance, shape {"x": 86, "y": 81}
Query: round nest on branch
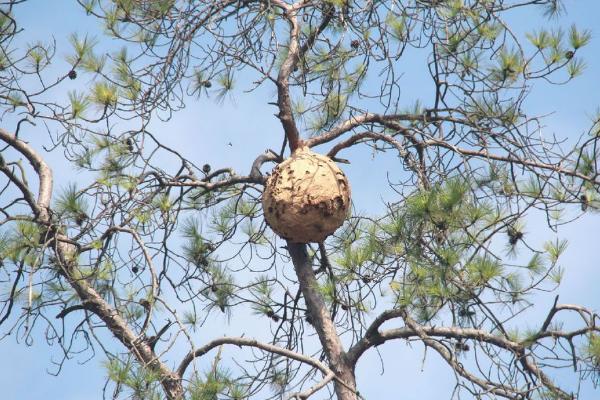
{"x": 306, "y": 198}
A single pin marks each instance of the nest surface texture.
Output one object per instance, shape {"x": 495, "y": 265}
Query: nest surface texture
{"x": 306, "y": 198}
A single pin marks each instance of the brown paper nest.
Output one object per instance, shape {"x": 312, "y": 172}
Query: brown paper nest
{"x": 306, "y": 198}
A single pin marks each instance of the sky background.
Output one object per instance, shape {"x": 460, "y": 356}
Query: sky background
{"x": 203, "y": 132}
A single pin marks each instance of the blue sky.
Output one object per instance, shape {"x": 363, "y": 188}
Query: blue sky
{"x": 24, "y": 369}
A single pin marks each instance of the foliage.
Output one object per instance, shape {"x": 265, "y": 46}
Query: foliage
{"x": 145, "y": 255}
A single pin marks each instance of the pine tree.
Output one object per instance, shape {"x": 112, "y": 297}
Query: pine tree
{"x": 147, "y": 247}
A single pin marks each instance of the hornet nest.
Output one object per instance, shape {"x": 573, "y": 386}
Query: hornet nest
{"x": 306, "y": 198}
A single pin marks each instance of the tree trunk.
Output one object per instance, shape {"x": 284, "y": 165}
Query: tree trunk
{"x": 345, "y": 383}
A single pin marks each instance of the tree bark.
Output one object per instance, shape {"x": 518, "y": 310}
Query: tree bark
{"x": 345, "y": 382}
{"x": 90, "y": 298}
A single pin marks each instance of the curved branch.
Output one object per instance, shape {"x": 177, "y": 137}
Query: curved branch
{"x": 367, "y": 135}
{"x": 392, "y": 121}
{"x": 245, "y": 342}
{"x": 495, "y": 388}
{"x": 22, "y": 188}
{"x": 39, "y": 165}
{"x": 373, "y": 337}
{"x": 268, "y": 156}
{"x": 417, "y": 168}
{"x": 307, "y": 393}
{"x": 370, "y": 118}
{"x": 65, "y": 311}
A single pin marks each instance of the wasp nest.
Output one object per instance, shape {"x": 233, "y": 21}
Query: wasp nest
{"x": 306, "y": 198}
